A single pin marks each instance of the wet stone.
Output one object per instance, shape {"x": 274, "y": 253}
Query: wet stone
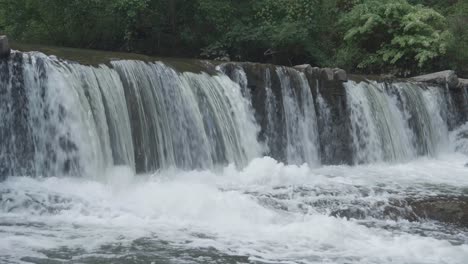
{"x": 441, "y": 78}
{"x": 5, "y": 49}
{"x": 340, "y": 75}
{"x": 450, "y": 210}
{"x": 463, "y": 83}
{"x": 327, "y": 74}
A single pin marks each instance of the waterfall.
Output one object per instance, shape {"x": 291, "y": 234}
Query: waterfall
{"x": 284, "y": 108}
{"x": 300, "y": 118}
{"x": 273, "y": 123}
{"x": 52, "y": 118}
{"x": 395, "y": 122}
{"x": 63, "y": 118}
{"x": 186, "y": 120}
{"x": 324, "y": 115}
{"x": 117, "y": 115}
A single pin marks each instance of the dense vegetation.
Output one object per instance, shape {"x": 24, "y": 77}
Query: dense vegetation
{"x": 398, "y": 36}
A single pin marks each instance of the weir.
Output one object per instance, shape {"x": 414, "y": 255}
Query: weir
{"x": 63, "y": 118}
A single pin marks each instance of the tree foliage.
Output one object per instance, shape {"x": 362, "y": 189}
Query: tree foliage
{"x": 360, "y": 35}
{"x": 394, "y": 35}
{"x": 458, "y": 25}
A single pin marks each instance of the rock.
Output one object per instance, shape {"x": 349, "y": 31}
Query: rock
{"x": 349, "y": 213}
{"x": 327, "y": 74}
{"x": 463, "y": 83}
{"x": 309, "y": 70}
{"x": 4, "y": 47}
{"x": 315, "y": 72}
{"x": 442, "y": 78}
{"x": 450, "y": 210}
{"x": 303, "y": 67}
{"x": 340, "y": 75}
{"x": 466, "y": 165}
{"x": 225, "y": 58}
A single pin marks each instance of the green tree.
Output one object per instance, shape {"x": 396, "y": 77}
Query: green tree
{"x": 458, "y": 49}
{"x": 404, "y": 36}
{"x": 281, "y": 31}
{"x": 392, "y": 35}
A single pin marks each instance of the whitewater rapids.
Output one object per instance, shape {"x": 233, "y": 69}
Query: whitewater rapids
{"x": 266, "y": 213}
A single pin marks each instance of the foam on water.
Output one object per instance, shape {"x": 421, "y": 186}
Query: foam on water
{"x": 268, "y": 212}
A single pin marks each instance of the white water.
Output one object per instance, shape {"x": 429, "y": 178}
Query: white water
{"x": 268, "y": 211}
{"x": 396, "y": 123}
{"x": 300, "y": 118}
{"x": 187, "y": 120}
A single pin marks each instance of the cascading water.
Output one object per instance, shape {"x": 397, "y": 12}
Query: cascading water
{"x": 273, "y": 123}
{"x": 65, "y": 118}
{"x": 395, "y": 122}
{"x": 324, "y": 116}
{"x": 52, "y": 118}
{"x": 142, "y": 163}
{"x": 285, "y": 111}
{"x": 300, "y": 118}
{"x": 186, "y": 120}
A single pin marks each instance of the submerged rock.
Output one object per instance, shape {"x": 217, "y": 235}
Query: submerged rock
{"x": 450, "y": 210}
{"x": 441, "y": 78}
{"x": 5, "y": 49}
{"x": 444, "y": 209}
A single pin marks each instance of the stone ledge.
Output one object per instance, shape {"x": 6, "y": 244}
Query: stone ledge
{"x": 463, "y": 83}
{"x": 440, "y": 78}
{"x": 5, "y": 49}
{"x": 327, "y": 74}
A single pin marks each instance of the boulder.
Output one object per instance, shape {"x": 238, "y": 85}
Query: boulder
{"x": 327, "y": 74}
{"x": 224, "y": 58}
{"x": 303, "y": 67}
{"x": 450, "y": 210}
{"x": 442, "y": 78}
{"x": 463, "y": 83}
{"x": 340, "y": 75}
{"x": 4, "y": 47}
{"x": 309, "y": 70}
{"x": 315, "y": 71}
